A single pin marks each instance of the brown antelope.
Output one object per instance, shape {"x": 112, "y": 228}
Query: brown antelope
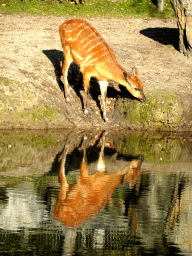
{"x": 83, "y": 45}
{"x": 79, "y": 202}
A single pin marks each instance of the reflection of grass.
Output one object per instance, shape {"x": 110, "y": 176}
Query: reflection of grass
{"x": 155, "y": 148}
{"x": 11, "y": 181}
{"x": 44, "y": 181}
{"x": 94, "y": 8}
{"x": 19, "y": 148}
{"x": 41, "y": 142}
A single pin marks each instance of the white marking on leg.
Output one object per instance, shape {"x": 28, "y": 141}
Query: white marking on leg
{"x": 103, "y": 84}
{"x": 101, "y": 167}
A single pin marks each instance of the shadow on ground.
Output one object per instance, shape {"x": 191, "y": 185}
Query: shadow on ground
{"x": 164, "y": 36}
{"x": 55, "y": 57}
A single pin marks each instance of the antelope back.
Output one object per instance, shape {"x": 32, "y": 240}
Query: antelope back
{"x": 89, "y": 195}
{"x": 86, "y": 198}
{"x": 81, "y": 201}
{"x": 86, "y": 45}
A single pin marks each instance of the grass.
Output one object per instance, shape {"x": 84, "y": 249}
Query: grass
{"x": 19, "y": 107}
{"x": 91, "y": 8}
{"x": 162, "y": 110}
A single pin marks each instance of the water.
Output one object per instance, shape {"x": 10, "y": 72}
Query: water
{"x": 95, "y": 193}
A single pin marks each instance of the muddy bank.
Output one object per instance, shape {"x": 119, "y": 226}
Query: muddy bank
{"x": 32, "y": 93}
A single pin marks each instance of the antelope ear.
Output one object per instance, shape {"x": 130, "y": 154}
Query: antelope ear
{"x": 135, "y": 71}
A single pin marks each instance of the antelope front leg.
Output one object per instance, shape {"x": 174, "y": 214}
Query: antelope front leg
{"x": 65, "y": 64}
{"x": 101, "y": 161}
{"x": 83, "y": 170}
{"x": 62, "y": 166}
{"x": 103, "y": 89}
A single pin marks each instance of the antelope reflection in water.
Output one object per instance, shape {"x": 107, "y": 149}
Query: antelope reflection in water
{"x": 78, "y": 203}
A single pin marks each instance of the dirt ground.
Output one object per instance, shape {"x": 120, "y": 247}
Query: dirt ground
{"x": 30, "y": 52}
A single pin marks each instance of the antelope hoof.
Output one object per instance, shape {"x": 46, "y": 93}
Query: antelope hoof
{"x": 86, "y": 111}
{"x": 106, "y": 119}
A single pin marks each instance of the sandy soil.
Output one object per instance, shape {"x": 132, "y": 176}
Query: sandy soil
{"x": 30, "y": 52}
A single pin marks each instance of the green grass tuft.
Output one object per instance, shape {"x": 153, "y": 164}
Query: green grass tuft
{"x": 161, "y": 110}
{"x": 94, "y": 8}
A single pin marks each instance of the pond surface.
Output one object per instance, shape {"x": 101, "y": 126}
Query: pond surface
{"x": 95, "y": 192}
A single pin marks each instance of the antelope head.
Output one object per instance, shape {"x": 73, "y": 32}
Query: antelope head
{"x": 135, "y": 86}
